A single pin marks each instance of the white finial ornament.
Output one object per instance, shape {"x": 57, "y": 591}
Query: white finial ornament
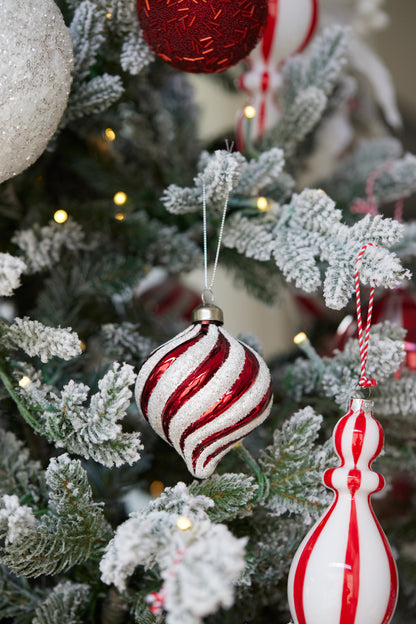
{"x": 344, "y": 571}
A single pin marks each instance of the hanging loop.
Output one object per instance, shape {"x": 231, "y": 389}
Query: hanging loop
{"x": 207, "y": 294}
{"x": 363, "y": 335}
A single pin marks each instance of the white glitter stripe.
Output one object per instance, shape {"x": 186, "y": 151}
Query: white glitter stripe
{"x": 157, "y": 355}
{"x": 207, "y": 396}
{"x": 176, "y": 374}
{"x": 251, "y": 399}
{"x": 202, "y": 472}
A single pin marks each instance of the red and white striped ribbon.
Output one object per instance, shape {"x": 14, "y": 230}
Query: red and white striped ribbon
{"x": 369, "y": 205}
{"x": 363, "y": 336}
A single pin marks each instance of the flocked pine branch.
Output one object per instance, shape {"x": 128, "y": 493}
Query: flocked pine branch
{"x": 18, "y": 599}
{"x": 71, "y": 530}
{"x": 309, "y": 230}
{"x": 349, "y": 178}
{"x": 336, "y": 377}
{"x": 65, "y": 603}
{"x": 93, "y": 430}
{"x": 230, "y": 173}
{"x": 11, "y": 269}
{"x": 124, "y": 342}
{"x": 219, "y": 172}
{"x": 231, "y": 493}
{"x": 45, "y": 342}
{"x": 308, "y": 83}
{"x": 294, "y": 466}
{"x": 198, "y": 565}
{"x": 42, "y": 247}
{"x": 20, "y": 475}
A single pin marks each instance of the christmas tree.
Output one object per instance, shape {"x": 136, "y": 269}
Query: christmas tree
{"x": 100, "y": 519}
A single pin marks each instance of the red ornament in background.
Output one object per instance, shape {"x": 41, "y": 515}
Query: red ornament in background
{"x": 290, "y": 26}
{"x": 202, "y": 36}
{"x": 397, "y": 306}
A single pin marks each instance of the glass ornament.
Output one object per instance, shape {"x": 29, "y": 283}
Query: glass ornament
{"x": 203, "y": 391}
{"x": 344, "y": 572}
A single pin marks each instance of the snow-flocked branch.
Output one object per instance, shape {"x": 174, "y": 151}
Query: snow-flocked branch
{"x": 71, "y": 531}
{"x": 199, "y": 565}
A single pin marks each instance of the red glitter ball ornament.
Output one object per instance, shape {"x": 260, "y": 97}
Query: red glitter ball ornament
{"x": 202, "y": 36}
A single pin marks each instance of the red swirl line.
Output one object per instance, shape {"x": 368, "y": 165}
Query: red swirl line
{"x": 256, "y": 411}
{"x": 244, "y": 381}
{"x": 195, "y": 381}
{"x": 162, "y": 366}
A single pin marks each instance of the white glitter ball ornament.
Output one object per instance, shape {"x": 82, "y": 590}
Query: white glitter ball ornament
{"x": 203, "y": 391}
{"x": 35, "y": 78}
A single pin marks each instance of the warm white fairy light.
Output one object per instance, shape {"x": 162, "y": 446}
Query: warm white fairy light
{"x": 262, "y": 204}
{"x": 183, "y": 523}
{"x": 25, "y": 381}
{"x": 120, "y": 198}
{"x": 110, "y": 135}
{"x": 120, "y": 216}
{"x": 60, "y": 216}
{"x": 249, "y": 112}
{"x": 302, "y": 341}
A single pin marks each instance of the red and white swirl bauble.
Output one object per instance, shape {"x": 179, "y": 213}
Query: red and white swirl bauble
{"x": 203, "y": 392}
{"x": 344, "y": 571}
{"x": 289, "y": 28}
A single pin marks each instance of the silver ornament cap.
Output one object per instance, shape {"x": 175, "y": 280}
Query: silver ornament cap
{"x": 208, "y": 312}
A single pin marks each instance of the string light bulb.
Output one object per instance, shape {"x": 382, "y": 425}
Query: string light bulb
{"x": 25, "y": 381}
{"x": 249, "y": 112}
{"x": 262, "y": 204}
{"x": 109, "y": 15}
{"x": 60, "y": 216}
{"x": 120, "y": 198}
{"x": 156, "y": 488}
{"x": 183, "y": 523}
{"x": 302, "y": 341}
{"x": 120, "y": 216}
{"x": 110, "y": 135}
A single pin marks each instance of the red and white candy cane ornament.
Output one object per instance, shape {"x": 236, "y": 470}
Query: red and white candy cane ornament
{"x": 344, "y": 572}
{"x": 289, "y": 28}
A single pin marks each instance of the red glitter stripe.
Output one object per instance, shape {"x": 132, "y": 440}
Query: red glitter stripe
{"x": 351, "y": 586}
{"x": 312, "y": 26}
{"x": 163, "y": 366}
{"x": 391, "y": 604}
{"x": 358, "y": 435}
{"x": 249, "y": 418}
{"x": 271, "y": 25}
{"x": 299, "y": 580}
{"x": 195, "y": 381}
{"x": 244, "y": 381}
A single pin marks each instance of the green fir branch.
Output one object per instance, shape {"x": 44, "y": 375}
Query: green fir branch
{"x": 73, "y": 530}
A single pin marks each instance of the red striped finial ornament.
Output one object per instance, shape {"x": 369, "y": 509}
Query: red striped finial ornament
{"x": 290, "y": 27}
{"x": 203, "y": 391}
{"x": 344, "y": 571}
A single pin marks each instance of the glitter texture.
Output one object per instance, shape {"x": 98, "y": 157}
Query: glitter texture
{"x": 35, "y": 79}
{"x": 202, "y": 35}
{"x": 203, "y": 392}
